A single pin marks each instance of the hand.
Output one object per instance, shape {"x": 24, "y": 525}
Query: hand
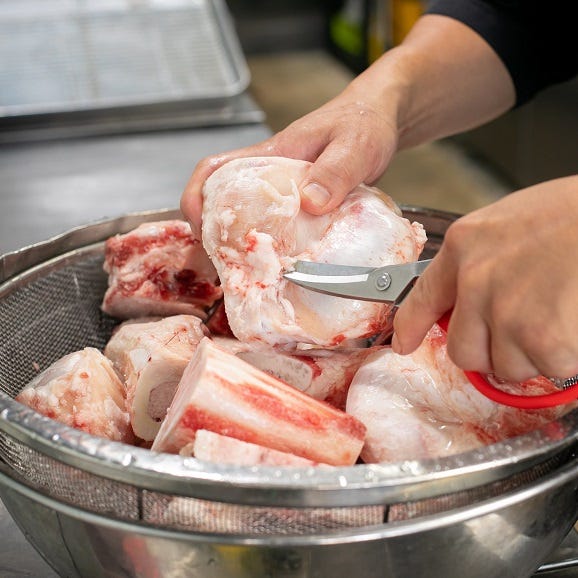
{"x": 416, "y": 92}
{"x": 510, "y": 273}
{"x": 350, "y": 140}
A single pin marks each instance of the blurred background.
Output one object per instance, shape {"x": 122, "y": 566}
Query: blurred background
{"x": 301, "y": 53}
{"x": 107, "y": 105}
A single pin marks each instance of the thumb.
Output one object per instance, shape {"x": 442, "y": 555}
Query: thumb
{"x": 433, "y": 294}
{"x": 336, "y": 172}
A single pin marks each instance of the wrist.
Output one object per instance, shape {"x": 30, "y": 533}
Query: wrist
{"x": 384, "y": 90}
{"x": 388, "y": 86}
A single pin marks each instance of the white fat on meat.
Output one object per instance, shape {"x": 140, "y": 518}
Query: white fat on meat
{"x": 151, "y": 357}
{"x": 212, "y": 447}
{"x": 423, "y": 406}
{"x": 83, "y": 391}
{"x": 158, "y": 269}
{"x": 254, "y": 230}
{"x": 221, "y": 393}
{"x": 324, "y": 374}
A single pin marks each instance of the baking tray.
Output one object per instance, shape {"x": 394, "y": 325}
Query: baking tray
{"x": 67, "y": 56}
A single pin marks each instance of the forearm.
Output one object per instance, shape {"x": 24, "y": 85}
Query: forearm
{"x": 443, "y": 79}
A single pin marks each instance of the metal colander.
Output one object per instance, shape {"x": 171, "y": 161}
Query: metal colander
{"x": 50, "y": 299}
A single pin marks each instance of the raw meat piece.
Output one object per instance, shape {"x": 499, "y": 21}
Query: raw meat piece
{"x": 253, "y": 231}
{"x": 83, "y": 391}
{"x": 423, "y": 406}
{"x": 213, "y": 447}
{"x": 151, "y": 357}
{"x": 324, "y": 374}
{"x": 158, "y": 269}
{"x": 224, "y": 394}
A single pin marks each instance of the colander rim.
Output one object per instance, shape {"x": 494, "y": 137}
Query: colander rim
{"x": 359, "y": 485}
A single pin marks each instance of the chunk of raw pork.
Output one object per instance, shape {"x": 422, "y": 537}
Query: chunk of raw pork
{"x": 83, "y": 391}
{"x": 212, "y": 447}
{"x": 151, "y": 356}
{"x": 423, "y": 406}
{"x": 254, "y": 230}
{"x": 224, "y": 394}
{"x": 158, "y": 269}
{"x": 324, "y": 374}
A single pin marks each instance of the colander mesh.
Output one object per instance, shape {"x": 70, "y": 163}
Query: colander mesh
{"x": 56, "y": 310}
{"x": 443, "y": 503}
{"x": 52, "y": 315}
{"x": 68, "y": 484}
{"x": 208, "y": 516}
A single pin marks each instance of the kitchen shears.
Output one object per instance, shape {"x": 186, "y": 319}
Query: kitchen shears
{"x": 391, "y": 284}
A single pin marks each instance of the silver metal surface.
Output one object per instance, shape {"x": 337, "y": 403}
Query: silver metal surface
{"x": 77, "y": 68}
{"x": 19, "y": 558}
{"x": 506, "y": 537}
{"x": 75, "y": 55}
{"x": 47, "y": 188}
{"x": 237, "y": 110}
{"x": 388, "y": 284}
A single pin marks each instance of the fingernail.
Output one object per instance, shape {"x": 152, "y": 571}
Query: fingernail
{"x": 316, "y": 194}
{"x": 396, "y": 345}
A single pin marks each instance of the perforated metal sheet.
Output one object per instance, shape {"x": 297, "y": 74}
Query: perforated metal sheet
{"x": 70, "y": 485}
{"x": 67, "y": 55}
{"x": 58, "y": 313}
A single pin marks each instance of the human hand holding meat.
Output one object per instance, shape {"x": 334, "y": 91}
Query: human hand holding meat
{"x": 396, "y": 103}
{"x": 254, "y": 230}
{"x": 326, "y": 137}
{"x": 515, "y": 316}
{"x": 508, "y": 271}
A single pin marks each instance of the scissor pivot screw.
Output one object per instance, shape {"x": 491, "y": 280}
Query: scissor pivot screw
{"x": 383, "y": 282}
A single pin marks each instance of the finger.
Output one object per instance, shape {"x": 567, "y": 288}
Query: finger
{"x": 338, "y": 170}
{"x": 509, "y": 361}
{"x": 469, "y": 340}
{"x": 532, "y": 346}
{"x": 514, "y": 339}
{"x": 556, "y": 353}
{"x": 432, "y": 295}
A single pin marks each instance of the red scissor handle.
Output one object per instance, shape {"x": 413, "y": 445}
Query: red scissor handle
{"x": 480, "y": 382}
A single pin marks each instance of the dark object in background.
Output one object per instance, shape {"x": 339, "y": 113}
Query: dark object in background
{"x": 533, "y": 143}
{"x": 284, "y": 25}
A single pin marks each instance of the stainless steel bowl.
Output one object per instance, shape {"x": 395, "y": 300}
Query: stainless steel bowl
{"x": 96, "y": 508}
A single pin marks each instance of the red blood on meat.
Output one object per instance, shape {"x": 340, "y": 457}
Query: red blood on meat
{"x": 119, "y": 250}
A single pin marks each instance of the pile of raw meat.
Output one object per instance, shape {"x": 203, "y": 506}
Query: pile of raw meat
{"x": 219, "y": 357}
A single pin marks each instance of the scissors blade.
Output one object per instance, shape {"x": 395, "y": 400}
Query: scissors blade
{"x": 314, "y": 268}
{"x": 388, "y": 284}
